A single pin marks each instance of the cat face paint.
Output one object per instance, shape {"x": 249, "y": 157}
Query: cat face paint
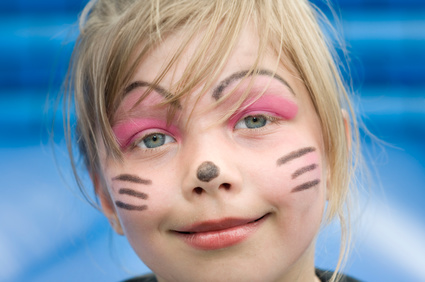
{"x": 299, "y": 154}
{"x": 207, "y": 171}
{"x": 131, "y": 192}
{"x": 268, "y": 155}
{"x": 294, "y": 155}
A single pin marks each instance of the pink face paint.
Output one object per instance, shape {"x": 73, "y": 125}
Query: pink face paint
{"x": 274, "y": 105}
{"x": 150, "y": 102}
{"x": 133, "y": 116}
{"x": 129, "y": 130}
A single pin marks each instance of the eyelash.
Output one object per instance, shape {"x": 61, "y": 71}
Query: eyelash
{"x": 270, "y": 119}
{"x": 135, "y": 144}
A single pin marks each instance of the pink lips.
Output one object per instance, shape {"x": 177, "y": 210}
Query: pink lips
{"x": 218, "y": 234}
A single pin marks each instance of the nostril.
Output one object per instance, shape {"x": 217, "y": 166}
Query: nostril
{"x": 225, "y": 186}
{"x": 198, "y": 190}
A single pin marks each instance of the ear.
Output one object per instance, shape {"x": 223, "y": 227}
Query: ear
{"x": 106, "y": 203}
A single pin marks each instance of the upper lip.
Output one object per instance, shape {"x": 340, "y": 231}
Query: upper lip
{"x": 217, "y": 225}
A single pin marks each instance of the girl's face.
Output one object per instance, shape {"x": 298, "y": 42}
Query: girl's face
{"x": 202, "y": 200}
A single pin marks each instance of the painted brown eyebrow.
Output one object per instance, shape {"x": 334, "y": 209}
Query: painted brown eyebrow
{"x": 132, "y": 178}
{"x": 218, "y": 91}
{"x": 295, "y": 155}
{"x": 162, "y": 91}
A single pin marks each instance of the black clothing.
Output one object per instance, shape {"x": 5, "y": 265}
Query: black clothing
{"x": 145, "y": 278}
{"x": 324, "y": 276}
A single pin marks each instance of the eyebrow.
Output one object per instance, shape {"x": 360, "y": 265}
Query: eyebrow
{"x": 160, "y": 90}
{"x": 218, "y": 91}
{"x": 132, "y": 178}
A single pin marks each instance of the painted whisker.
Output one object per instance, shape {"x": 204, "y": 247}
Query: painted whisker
{"x": 306, "y": 185}
{"x": 130, "y": 192}
{"x": 133, "y": 193}
{"x": 303, "y": 170}
{"x": 130, "y": 207}
{"x": 132, "y": 178}
{"x": 294, "y": 155}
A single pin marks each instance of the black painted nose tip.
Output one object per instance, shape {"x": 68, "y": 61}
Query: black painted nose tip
{"x": 207, "y": 171}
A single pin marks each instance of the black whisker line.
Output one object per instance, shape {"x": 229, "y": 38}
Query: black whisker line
{"x": 304, "y": 170}
{"x": 306, "y": 185}
{"x": 295, "y": 155}
{"x": 133, "y": 193}
{"x": 130, "y": 207}
{"x": 132, "y": 178}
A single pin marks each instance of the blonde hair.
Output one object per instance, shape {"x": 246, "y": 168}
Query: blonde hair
{"x": 116, "y": 35}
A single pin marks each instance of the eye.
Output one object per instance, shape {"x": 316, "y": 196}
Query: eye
{"x": 155, "y": 140}
{"x": 251, "y": 122}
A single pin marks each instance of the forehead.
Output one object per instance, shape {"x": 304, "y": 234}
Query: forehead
{"x": 242, "y": 56}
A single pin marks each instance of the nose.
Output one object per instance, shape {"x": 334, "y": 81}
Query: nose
{"x": 210, "y": 168}
{"x": 207, "y": 171}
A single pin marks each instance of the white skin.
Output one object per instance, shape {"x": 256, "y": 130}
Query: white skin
{"x": 250, "y": 184}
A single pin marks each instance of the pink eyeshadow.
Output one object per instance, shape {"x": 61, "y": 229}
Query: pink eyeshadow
{"x": 127, "y": 130}
{"x": 269, "y": 104}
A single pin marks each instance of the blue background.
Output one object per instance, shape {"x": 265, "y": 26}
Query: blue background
{"x": 49, "y": 233}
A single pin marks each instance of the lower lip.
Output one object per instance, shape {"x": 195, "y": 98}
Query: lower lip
{"x": 214, "y": 240}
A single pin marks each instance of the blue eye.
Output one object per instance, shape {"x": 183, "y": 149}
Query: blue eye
{"x": 252, "y": 122}
{"x": 155, "y": 140}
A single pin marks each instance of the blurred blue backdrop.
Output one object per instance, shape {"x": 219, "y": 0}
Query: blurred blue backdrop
{"x": 48, "y": 233}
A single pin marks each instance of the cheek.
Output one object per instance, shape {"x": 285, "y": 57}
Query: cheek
{"x": 143, "y": 228}
{"x": 298, "y": 215}
{"x": 140, "y": 207}
{"x": 299, "y": 197}
{"x": 298, "y": 186}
